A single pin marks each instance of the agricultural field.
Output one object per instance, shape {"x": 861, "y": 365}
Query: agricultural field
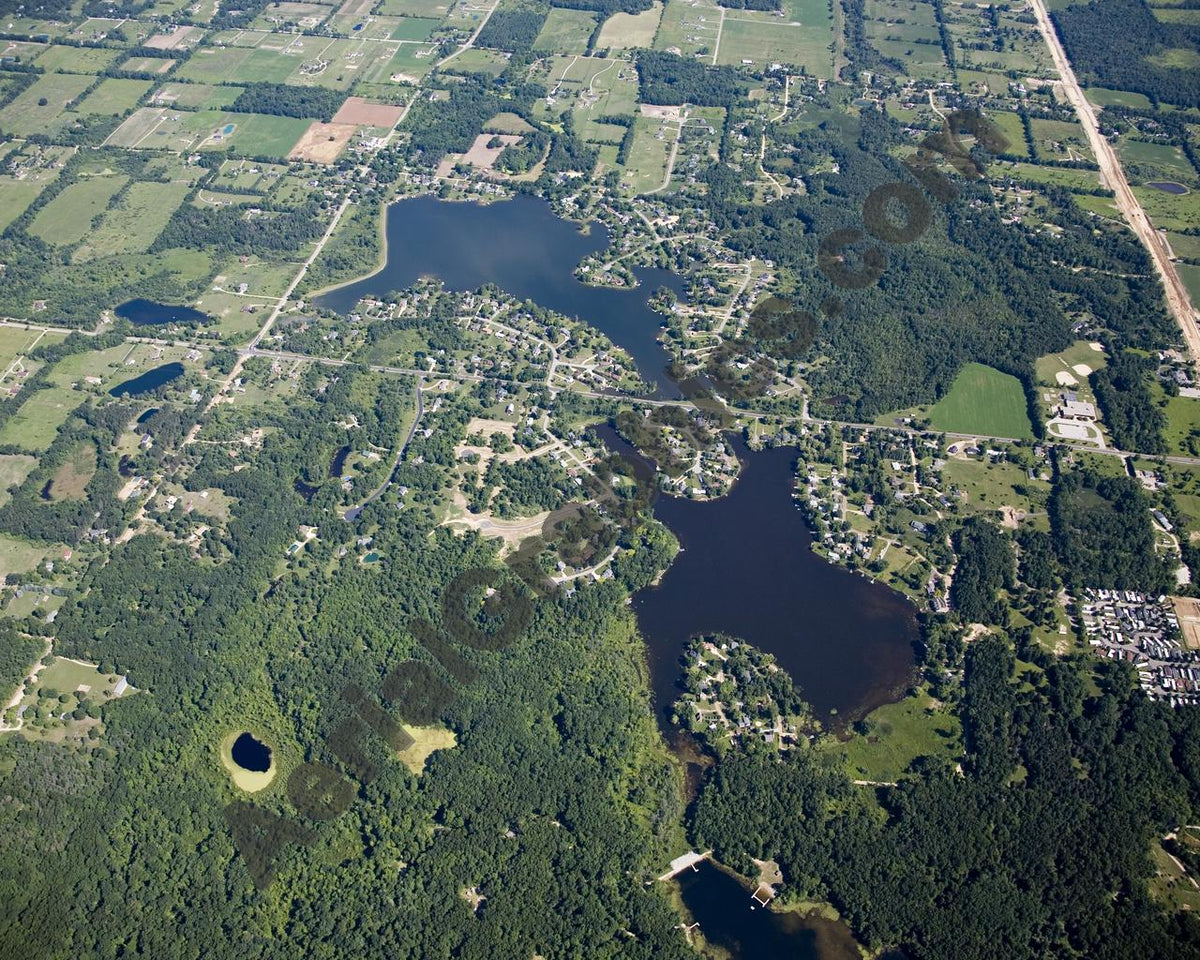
{"x": 136, "y": 220}
{"x": 82, "y": 60}
{"x": 566, "y": 31}
{"x": 982, "y": 400}
{"x": 114, "y": 96}
{"x": 801, "y": 38}
{"x": 40, "y": 109}
{"x": 68, "y": 217}
{"x": 622, "y": 31}
{"x": 247, "y": 133}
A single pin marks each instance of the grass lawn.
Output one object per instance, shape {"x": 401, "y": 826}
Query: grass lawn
{"x": 983, "y": 400}
{"x": 21, "y": 556}
{"x": 34, "y": 425}
{"x": 802, "y": 37}
{"x": 898, "y": 733}
{"x": 1069, "y": 177}
{"x": 68, "y": 217}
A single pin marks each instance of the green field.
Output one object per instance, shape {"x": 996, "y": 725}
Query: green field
{"x": 28, "y": 115}
{"x": 21, "y": 556}
{"x": 896, "y": 734}
{"x": 565, "y": 31}
{"x": 1154, "y": 161}
{"x": 1103, "y": 97}
{"x": 68, "y": 217}
{"x": 15, "y": 198}
{"x": 64, "y": 59}
{"x": 1069, "y": 177}
{"x": 624, "y": 30}
{"x": 251, "y": 134}
{"x": 1169, "y": 211}
{"x": 1190, "y": 275}
{"x": 34, "y": 426}
{"x": 983, "y": 400}
{"x": 114, "y": 96}
{"x": 195, "y": 96}
{"x": 800, "y": 38}
{"x": 136, "y": 220}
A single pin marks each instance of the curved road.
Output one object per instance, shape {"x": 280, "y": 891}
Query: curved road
{"x": 353, "y": 512}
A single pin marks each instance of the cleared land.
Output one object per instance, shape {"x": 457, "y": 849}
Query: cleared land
{"x": 983, "y": 400}
{"x": 323, "y": 142}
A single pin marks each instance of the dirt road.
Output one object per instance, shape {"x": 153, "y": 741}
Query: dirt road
{"x": 1178, "y": 301}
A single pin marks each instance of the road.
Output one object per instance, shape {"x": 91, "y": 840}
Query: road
{"x": 353, "y": 512}
{"x": 270, "y": 321}
{"x": 471, "y": 40}
{"x": 1178, "y": 301}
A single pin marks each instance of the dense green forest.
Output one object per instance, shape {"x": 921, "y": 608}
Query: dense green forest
{"x": 1122, "y": 44}
{"x": 1102, "y": 532}
{"x": 284, "y": 100}
{"x": 1038, "y": 848}
{"x": 522, "y": 812}
{"x": 900, "y": 313}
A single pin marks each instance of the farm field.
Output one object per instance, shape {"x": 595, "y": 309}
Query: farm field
{"x": 566, "y": 31}
{"x": 801, "y": 38}
{"x": 248, "y": 133}
{"x": 27, "y": 114}
{"x": 983, "y": 400}
{"x": 624, "y": 30}
{"x": 114, "y": 96}
{"x": 136, "y": 220}
{"x": 68, "y": 217}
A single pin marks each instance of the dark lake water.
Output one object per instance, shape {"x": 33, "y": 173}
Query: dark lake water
{"x": 1168, "y": 186}
{"x": 522, "y": 247}
{"x": 745, "y": 569}
{"x": 339, "y": 461}
{"x": 147, "y": 414}
{"x": 144, "y": 313}
{"x": 250, "y": 753}
{"x": 723, "y": 908}
{"x": 150, "y": 380}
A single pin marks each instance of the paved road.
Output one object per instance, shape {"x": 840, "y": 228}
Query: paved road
{"x": 1178, "y": 300}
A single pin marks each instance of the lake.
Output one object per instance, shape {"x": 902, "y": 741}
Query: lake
{"x": 144, "y": 313}
{"x": 150, "y": 380}
{"x": 1168, "y": 186}
{"x": 746, "y": 569}
{"x": 522, "y": 247}
{"x": 729, "y": 918}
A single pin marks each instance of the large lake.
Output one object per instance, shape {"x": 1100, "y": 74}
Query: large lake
{"x": 522, "y": 247}
{"x": 746, "y": 569}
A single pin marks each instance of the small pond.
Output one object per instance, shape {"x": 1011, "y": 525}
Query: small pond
{"x": 1168, "y": 186}
{"x": 150, "y": 380}
{"x": 145, "y": 313}
{"x": 251, "y": 754}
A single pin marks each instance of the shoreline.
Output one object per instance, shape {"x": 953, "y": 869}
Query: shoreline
{"x": 381, "y": 263}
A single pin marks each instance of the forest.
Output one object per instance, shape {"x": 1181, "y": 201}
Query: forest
{"x": 554, "y": 804}
{"x": 1038, "y": 848}
{"x": 287, "y": 100}
{"x": 1102, "y": 533}
{"x": 1122, "y": 44}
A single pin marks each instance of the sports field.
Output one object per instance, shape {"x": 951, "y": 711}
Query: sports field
{"x": 983, "y": 400}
